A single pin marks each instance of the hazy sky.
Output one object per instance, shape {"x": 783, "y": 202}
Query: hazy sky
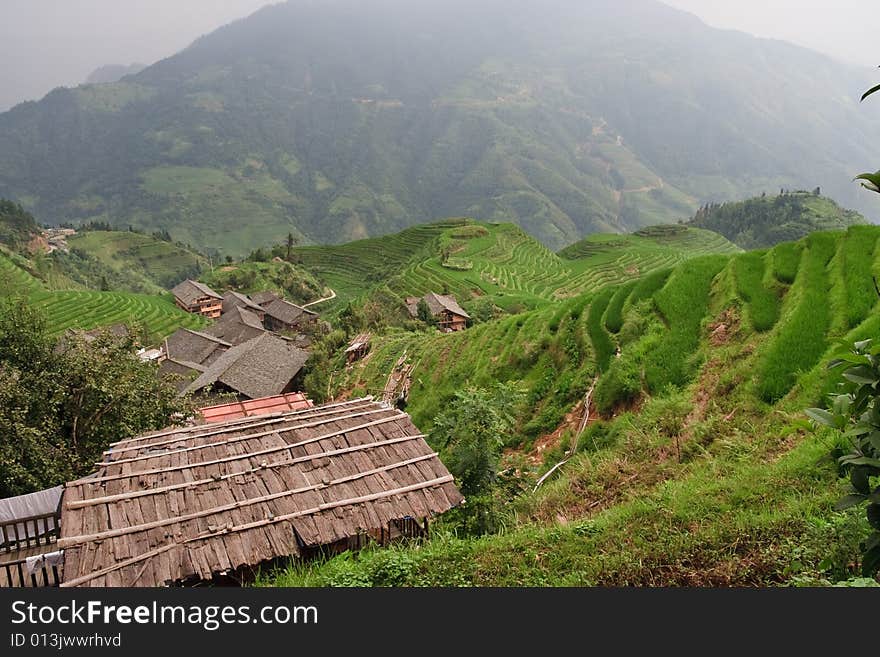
{"x": 49, "y": 43}
{"x": 845, "y": 29}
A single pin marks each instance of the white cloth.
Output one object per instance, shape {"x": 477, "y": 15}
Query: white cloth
{"x": 33, "y": 564}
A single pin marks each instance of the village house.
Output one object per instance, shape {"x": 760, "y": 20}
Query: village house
{"x": 233, "y": 300}
{"x": 262, "y": 367}
{"x": 264, "y": 298}
{"x": 215, "y": 502}
{"x": 198, "y": 298}
{"x": 444, "y": 308}
{"x": 237, "y": 326}
{"x": 282, "y": 315}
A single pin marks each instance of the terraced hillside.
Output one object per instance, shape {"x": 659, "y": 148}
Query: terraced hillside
{"x": 473, "y": 259}
{"x": 156, "y": 263}
{"x": 690, "y": 473}
{"x": 87, "y": 309}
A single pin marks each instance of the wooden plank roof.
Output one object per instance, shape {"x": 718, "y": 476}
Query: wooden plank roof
{"x": 189, "y": 291}
{"x": 187, "y": 503}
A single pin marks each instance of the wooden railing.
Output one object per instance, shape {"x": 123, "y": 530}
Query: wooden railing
{"x": 29, "y": 532}
{"x": 24, "y": 538}
{"x": 15, "y": 574}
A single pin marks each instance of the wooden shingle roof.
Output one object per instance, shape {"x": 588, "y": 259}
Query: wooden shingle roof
{"x": 286, "y": 312}
{"x": 189, "y": 291}
{"x": 237, "y": 326}
{"x": 233, "y": 299}
{"x": 261, "y": 367}
{"x": 195, "y": 346}
{"x": 184, "y": 504}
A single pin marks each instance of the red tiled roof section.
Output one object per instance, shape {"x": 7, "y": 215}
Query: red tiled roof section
{"x": 292, "y": 401}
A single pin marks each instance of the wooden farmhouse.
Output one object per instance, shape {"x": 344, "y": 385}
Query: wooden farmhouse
{"x": 198, "y": 298}
{"x": 265, "y": 366}
{"x": 444, "y": 308}
{"x": 282, "y": 315}
{"x": 215, "y": 501}
{"x": 236, "y": 326}
{"x": 232, "y": 300}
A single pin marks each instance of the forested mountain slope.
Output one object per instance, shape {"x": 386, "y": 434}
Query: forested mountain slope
{"x": 343, "y": 119}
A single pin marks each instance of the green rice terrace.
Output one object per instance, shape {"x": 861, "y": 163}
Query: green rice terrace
{"x": 500, "y": 261}
{"x": 87, "y": 309}
{"x": 157, "y": 264}
{"x": 693, "y": 469}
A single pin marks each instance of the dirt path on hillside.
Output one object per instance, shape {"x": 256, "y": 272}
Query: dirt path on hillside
{"x": 321, "y": 300}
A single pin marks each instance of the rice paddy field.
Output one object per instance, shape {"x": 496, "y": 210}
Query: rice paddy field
{"x": 87, "y": 309}
{"x": 691, "y": 472}
{"x": 501, "y": 261}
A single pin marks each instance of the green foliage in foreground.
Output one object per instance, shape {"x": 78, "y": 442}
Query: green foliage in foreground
{"x": 801, "y": 340}
{"x": 61, "y": 407}
{"x": 855, "y": 411}
{"x": 763, "y": 302}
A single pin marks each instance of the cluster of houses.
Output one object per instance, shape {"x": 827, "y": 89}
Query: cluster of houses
{"x": 56, "y": 239}
{"x": 256, "y": 347}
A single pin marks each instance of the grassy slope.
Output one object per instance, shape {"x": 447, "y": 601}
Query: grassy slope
{"x": 501, "y": 261}
{"x": 298, "y": 285}
{"x": 703, "y": 485}
{"x": 157, "y": 264}
{"x": 88, "y": 309}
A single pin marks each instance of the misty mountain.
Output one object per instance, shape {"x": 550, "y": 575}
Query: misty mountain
{"x": 113, "y": 73}
{"x": 342, "y": 119}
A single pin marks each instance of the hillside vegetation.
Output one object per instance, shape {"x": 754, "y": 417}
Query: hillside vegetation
{"x": 347, "y": 119}
{"x": 690, "y": 472}
{"x": 88, "y": 309}
{"x": 768, "y": 220}
{"x": 153, "y": 264}
{"x": 499, "y": 262}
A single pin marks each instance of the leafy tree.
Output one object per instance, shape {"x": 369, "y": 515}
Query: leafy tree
{"x": 870, "y": 180}
{"x": 855, "y": 411}
{"x": 472, "y": 430}
{"x": 290, "y": 242}
{"x": 423, "y": 312}
{"x": 62, "y": 404}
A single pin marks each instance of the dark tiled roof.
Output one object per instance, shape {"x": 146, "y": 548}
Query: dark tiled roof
{"x": 232, "y": 300}
{"x": 286, "y": 312}
{"x": 189, "y": 291}
{"x": 264, "y": 298}
{"x": 261, "y": 367}
{"x": 195, "y": 346}
{"x": 237, "y": 326}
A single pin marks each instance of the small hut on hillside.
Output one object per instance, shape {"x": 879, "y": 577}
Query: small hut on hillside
{"x": 282, "y": 315}
{"x": 358, "y": 348}
{"x": 444, "y": 308}
{"x": 215, "y": 501}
